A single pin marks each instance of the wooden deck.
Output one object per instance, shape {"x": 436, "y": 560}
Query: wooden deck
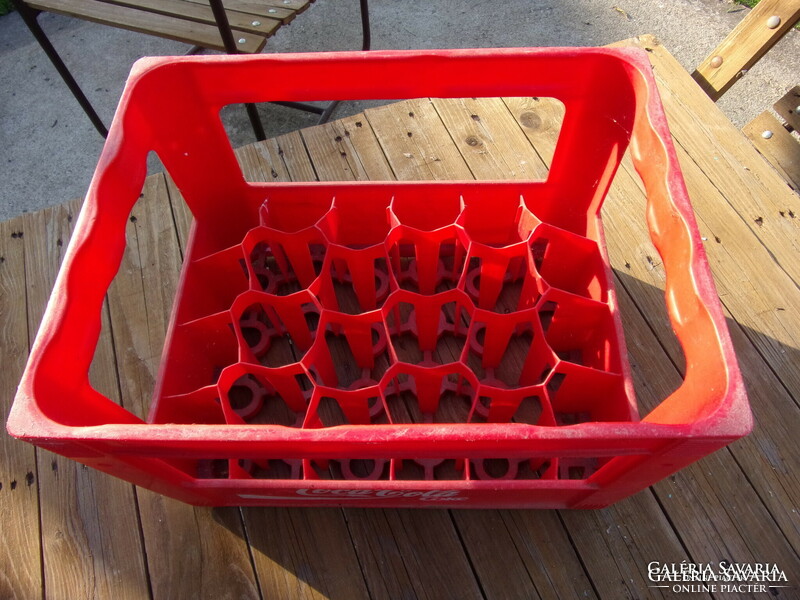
{"x": 69, "y": 532}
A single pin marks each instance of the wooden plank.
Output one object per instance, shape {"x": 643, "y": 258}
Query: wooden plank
{"x": 745, "y": 45}
{"x": 523, "y": 577}
{"x": 191, "y": 552}
{"x": 733, "y": 164}
{"x": 489, "y": 146}
{"x": 721, "y": 510}
{"x": 201, "y": 13}
{"x": 434, "y": 559}
{"x": 623, "y": 540}
{"x": 295, "y": 5}
{"x": 788, "y": 107}
{"x": 717, "y": 511}
{"x": 780, "y": 148}
{"x": 758, "y": 277}
{"x": 385, "y": 566}
{"x": 132, "y": 19}
{"x": 266, "y": 161}
{"x": 346, "y": 150}
{"x": 88, "y": 546}
{"x": 544, "y": 546}
{"x": 714, "y": 509}
{"x": 411, "y": 148}
{"x": 20, "y": 552}
{"x": 278, "y": 159}
{"x": 304, "y": 553}
{"x": 139, "y": 326}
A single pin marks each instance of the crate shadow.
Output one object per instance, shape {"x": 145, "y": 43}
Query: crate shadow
{"x": 351, "y": 552}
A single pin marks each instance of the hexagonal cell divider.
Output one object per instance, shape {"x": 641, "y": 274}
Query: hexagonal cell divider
{"x": 497, "y": 220}
{"x": 580, "y": 330}
{"x": 350, "y": 351}
{"x": 430, "y": 394}
{"x": 501, "y": 280}
{"x": 292, "y": 214}
{"x": 567, "y": 389}
{"x": 427, "y": 330}
{"x": 569, "y": 262}
{"x": 330, "y": 407}
{"x": 275, "y": 330}
{"x": 254, "y": 394}
{"x": 355, "y": 281}
{"x": 528, "y": 405}
{"x": 425, "y": 251}
{"x": 201, "y": 406}
{"x": 283, "y": 263}
{"x": 508, "y": 351}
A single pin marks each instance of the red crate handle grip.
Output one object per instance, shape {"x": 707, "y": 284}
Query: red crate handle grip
{"x": 712, "y": 382}
{"x": 170, "y": 88}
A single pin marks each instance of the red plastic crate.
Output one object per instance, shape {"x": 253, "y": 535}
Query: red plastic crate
{"x": 388, "y": 343}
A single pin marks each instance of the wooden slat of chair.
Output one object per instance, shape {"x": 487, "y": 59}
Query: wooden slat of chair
{"x": 272, "y": 10}
{"x": 179, "y": 29}
{"x": 201, "y": 13}
{"x": 781, "y": 149}
{"x": 745, "y": 45}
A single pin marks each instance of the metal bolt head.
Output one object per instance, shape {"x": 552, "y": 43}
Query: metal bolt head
{"x": 797, "y": 109}
{"x": 773, "y": 21}
{"x": 242, "y": 40}
{"x": 256, "y": 23}
{"x": 766, "y": 134}
{"x": 716, "y": 62}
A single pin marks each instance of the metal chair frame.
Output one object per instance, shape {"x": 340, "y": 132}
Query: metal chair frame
{"x": 30, "y": 17}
